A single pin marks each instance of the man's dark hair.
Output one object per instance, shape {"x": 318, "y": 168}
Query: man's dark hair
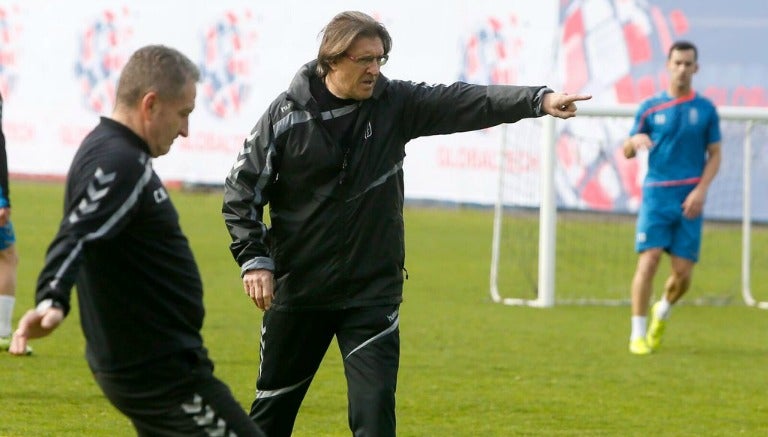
{"x": 342, "y": 31}
{"x": 157, "y": 68}
{"x": 683, "y": 45}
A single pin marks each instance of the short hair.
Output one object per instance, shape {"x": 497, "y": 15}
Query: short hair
{"x": 157, "y": 68}
{"x": 342, "y": 31}
{"x": 683, "y": 45}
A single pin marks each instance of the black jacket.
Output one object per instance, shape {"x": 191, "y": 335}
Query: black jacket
{"x": 139, "y": 289}
{"x": 336, "y": 210}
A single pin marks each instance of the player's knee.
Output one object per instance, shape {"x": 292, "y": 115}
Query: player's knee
{"x": 649, "y": 261}
{"x": 682, "y": 276}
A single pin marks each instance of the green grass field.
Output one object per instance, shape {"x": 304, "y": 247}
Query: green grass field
{"x": 468, "y": 367}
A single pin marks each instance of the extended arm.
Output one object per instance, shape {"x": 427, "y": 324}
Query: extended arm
{"x": 461, "y": 107}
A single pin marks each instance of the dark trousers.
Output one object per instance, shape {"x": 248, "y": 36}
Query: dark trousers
{"x": 292, "y": 347}
{"x": 177, "y": 396}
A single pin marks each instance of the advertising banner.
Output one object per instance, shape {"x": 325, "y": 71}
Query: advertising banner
{"x": 60, "y": 61}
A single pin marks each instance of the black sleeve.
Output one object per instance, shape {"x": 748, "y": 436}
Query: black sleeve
{"x": 461, "y": 107}
{"x": 103, "y": 189}
{"x": 246, "y": 195}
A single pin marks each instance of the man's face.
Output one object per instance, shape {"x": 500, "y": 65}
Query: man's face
{"x": 169, "y": 119}
{"x": 681, "y": 66}
{"x": 353, "y": 75}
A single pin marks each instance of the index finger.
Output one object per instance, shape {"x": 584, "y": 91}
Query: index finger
{"x": 578, "y": 97}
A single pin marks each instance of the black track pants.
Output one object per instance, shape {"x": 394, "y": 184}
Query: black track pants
{"x": 292, "y": 347}
{"x": 177, "y": 396}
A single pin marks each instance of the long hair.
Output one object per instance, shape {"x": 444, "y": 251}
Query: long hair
{"x": 342, "y": 31}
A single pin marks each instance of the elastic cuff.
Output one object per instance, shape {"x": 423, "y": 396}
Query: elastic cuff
{"x": 49, "y": 303}
{"x": 538, "y": 100}
{"x": 262, "y": 262}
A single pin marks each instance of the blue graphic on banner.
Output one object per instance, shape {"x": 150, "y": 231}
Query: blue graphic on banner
{"x": 489, "y": 52}
{"x": 226, "y": 63}
{"x": 103, "y": 52}
{"x": 9, "y": 35}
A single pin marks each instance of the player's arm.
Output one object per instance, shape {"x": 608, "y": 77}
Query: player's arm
{"x": 636, "y": 142}
{"x": 714, "y": 158}
{"x": 629, "y": 149}
{"x": 693, "y": 205}
{"x": 639, "y": 135}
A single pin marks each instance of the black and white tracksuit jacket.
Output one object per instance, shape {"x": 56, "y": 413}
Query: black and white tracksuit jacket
{"x": 139, "y": 290}
{"x": 336, "y": 236}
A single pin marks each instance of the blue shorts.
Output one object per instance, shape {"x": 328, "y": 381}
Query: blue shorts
{"x": 661, "y": 224}
{"x": 7, "y": 236}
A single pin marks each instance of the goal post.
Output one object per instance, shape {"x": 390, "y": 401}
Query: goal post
{"x": 548, "y": 250}
{"x": 547, "y": 215}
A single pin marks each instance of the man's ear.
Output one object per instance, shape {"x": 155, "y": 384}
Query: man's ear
{"x": 148, "y": 104}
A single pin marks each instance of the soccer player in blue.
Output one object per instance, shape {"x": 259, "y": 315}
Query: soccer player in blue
{"x": 680, "y": 130}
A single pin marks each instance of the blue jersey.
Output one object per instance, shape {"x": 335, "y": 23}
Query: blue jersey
{"x": 681, "y": 129}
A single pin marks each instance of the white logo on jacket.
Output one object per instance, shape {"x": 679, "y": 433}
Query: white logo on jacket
{"x": 392, "y": 316}
{"x": 97, "y": 189}
{"x": 368, "y": 131}
{"x": 160, "y": 195}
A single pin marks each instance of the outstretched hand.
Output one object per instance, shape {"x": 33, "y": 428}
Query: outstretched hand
{"x": 562, "y": 105}
{"x": 34, "y": 324}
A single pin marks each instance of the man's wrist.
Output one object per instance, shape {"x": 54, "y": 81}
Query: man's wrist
{"x": 45, "y": 304}
{"x": 538, "y": 100}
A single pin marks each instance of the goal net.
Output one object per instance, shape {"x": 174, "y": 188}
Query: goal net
{"x": 566, "y": 234}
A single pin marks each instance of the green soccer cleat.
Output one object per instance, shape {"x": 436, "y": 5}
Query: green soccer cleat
{"x": 655, "y": 329}
{"x": 5, "y": 344}
{"x": 638, "y": 346}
